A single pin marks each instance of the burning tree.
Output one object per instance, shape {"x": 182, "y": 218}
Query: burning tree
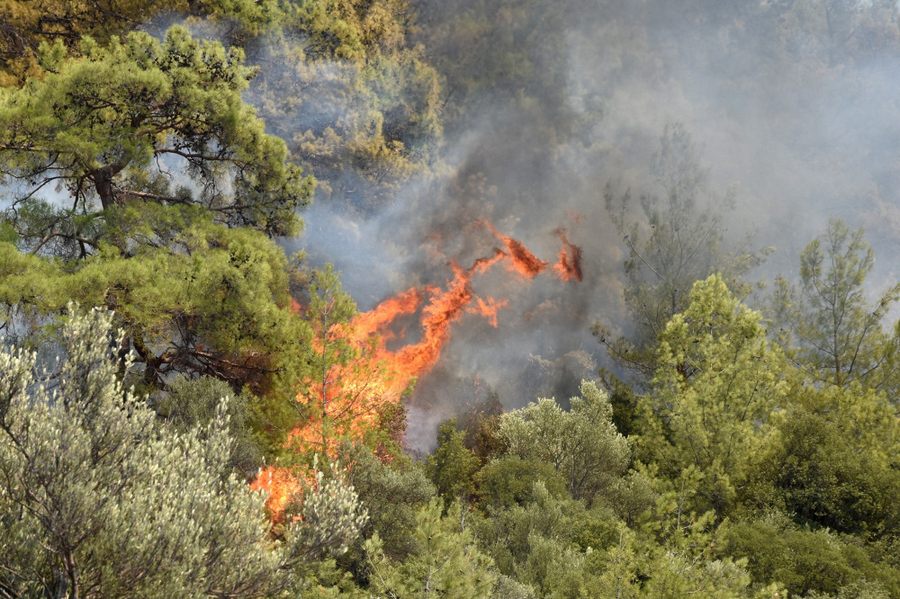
{"x": 356, "y": 376}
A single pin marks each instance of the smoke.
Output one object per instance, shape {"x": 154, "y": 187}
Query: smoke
{"x": 794, "y": 106}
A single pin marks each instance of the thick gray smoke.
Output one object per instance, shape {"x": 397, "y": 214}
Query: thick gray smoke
{"x": 795, "y": 106}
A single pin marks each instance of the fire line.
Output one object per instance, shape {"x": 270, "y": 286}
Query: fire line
{"x": 348, "y": 400}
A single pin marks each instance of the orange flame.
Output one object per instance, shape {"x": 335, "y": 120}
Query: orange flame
{"x": 521, "y": 260}
{"x": 346, "y": 400}
{"x": 568, "y": 267}
{"x": 488, "y": 308}
{"x": 280, "y": 485}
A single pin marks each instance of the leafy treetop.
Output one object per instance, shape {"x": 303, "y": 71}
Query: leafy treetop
{"x": 28, "y": 23}
{"x": 120, "y": 123}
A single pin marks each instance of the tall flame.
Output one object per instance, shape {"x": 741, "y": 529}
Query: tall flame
{"x": 348, "y": 399}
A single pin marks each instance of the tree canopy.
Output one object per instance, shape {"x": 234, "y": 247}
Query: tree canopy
{"x": 28, "y": 23}
{"x": 175, "y": 304}
{"x": 98, "y": 500}
{"x": 128, "y": 123}
{"x": 189, "y": 410}
{"x": 838, "y": 334}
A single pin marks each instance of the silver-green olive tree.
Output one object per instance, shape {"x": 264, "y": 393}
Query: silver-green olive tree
{"x": 582, "y": 444}
{"x": 98, "y": 499}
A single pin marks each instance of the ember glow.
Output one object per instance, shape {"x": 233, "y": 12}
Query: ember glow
{"x": 349, "y": 397}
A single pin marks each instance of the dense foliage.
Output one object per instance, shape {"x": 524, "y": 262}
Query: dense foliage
{"x": 98, "y": 499}
{"x": 160, "y": 349}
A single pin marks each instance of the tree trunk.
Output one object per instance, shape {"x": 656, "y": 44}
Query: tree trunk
{"x": 151, "y": 361}
{"x": 73, "y": 591}
{"x": 103, "y": 183}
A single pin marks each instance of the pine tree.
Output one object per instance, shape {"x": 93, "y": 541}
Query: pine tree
{"x": 452, "y": 466}
{"x": 117, "y": 125}
{"x": 675, "y": 238}
{"x": 717, "y": 382}
{"x": 446, "y": 561}
{"x": 839, "y": 336}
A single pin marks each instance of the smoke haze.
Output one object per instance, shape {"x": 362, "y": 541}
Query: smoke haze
{"x": 794, "y": 108}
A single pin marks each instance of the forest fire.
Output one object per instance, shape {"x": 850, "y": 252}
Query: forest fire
{"x": 351, "y": 394}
